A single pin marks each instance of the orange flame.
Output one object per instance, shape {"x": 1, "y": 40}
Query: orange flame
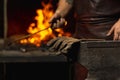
{"x": 42, "y": 18}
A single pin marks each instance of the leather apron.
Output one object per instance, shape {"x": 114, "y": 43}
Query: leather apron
{"x": 94, "y": 18}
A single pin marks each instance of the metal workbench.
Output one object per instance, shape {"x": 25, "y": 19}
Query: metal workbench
{"x": 101, "y": 58}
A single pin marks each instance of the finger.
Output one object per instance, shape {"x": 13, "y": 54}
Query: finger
{"x": 58, "y": 24}
{"x": 110, "y": 31}
{"x": 55, "y": 53}
{"x": 63, "y": 45}
{"x": 51, "y": 42}
{"x": 53, "y": 25}
{"x": 116, "y": 36}
{"x": 63, "y": 22}
{"x": 66, "y": 42}
{"x": 58, "y": 53}
{"x": 56, "y": 45}
{"x": 67, "y": 48}
{"x": 66, "y": 45}
{"x": 119, "y": 37}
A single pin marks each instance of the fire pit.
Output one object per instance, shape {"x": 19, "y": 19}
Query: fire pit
{"x": 17, "y": 50}
{"x": 26, "y": 31}
{"x": 29, "y": 24}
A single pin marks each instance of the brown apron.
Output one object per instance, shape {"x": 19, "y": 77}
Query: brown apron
{"x": 94, "y": 18}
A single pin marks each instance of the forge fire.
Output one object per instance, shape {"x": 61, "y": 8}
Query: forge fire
{"x": 32, "y": 20}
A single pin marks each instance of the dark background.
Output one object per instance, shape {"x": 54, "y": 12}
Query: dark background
{"x": 1, "y": 18}
{"x": 35, "y": 71}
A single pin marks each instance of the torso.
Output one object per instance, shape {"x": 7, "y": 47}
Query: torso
{"x": 96, "y": 16}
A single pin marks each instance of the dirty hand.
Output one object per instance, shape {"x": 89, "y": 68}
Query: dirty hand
{"x": 57, "y": 21}
{"x": 64, "y": 45}
{"x": 116, "y": 29}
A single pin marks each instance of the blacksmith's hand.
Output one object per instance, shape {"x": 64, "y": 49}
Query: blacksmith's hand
{"x": 64, "y": 45}
{"x": 57, "y": 21}
{"x": 116, "y": 30}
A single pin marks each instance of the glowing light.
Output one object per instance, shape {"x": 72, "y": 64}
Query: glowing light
{"x": 42, "y": 19}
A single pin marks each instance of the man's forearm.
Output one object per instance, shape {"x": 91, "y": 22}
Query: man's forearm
{"x": 63, "y": 7}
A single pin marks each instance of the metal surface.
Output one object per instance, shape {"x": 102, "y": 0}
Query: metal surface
{"x": 19, "y": 63}
{"x": 28, "y": 54}
{"x": 101, "y": 58}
